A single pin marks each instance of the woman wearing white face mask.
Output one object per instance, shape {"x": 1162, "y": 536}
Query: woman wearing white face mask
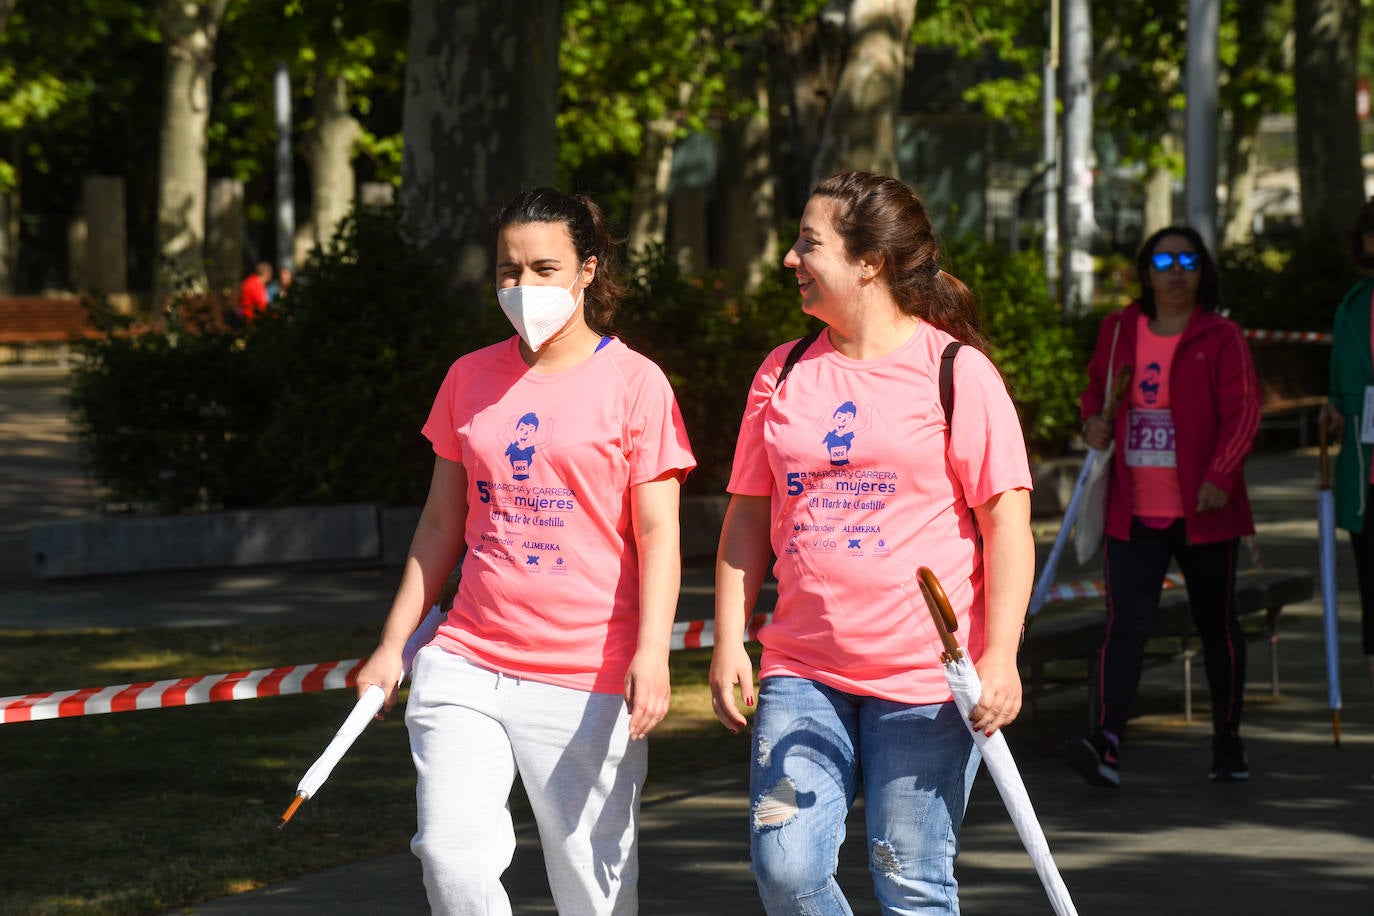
{"x": 559, "y": 455}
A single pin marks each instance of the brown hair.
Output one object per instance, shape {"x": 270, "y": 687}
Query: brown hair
{"x": 591, "y": 236}
{"x": 1354, "y": 237}
{"x": 879, "y": 217}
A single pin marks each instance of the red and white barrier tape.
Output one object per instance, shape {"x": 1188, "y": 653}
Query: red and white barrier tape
{"x": 186, "y": 691}
{"x": 1289, "y": 336}
{"x": 271, "y": 682}
{"x": 251, "y": 685}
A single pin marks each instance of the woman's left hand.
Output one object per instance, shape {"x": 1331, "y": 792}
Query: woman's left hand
{"x": 1000, "y": 703}
{"x": 1211, "y": 497}
{"x": 647, "y": 692}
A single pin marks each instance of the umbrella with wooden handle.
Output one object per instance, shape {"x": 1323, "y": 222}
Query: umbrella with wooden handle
{"x": 966, "y": 689}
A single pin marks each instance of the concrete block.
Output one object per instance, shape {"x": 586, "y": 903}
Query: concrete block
{"x": 398, "y": 527}
{"x": 701, "y": 518}
{"x": 1053, "y": 481}
{"x": 90, "y": 547}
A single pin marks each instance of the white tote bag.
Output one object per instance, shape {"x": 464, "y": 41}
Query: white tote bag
{"x": 1092, "y": 511}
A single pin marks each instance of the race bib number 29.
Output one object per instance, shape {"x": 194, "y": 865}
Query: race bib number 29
{"x": 1150, "y": 439}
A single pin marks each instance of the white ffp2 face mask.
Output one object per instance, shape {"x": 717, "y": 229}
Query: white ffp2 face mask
{"x": 538, "y": 312}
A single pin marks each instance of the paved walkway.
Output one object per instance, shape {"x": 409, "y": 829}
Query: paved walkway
{"x": 1299, "y": 838}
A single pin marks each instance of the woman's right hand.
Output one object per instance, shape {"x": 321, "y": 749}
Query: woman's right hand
{"x": 1097, "y": 433}
{"x": 384, "y": 669}
{"x": 731, "y": 666}
{"x": 1332, "y": 421}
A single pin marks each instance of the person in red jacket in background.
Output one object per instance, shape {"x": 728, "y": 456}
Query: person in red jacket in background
{"x": 253, "y": 291}
{"x": 1176, "y": 489}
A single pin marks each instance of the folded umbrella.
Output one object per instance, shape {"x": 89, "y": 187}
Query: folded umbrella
{"x": 367, "y": 707}
{"x": 1326, "y": 540}
{"x": 967, "y": 689}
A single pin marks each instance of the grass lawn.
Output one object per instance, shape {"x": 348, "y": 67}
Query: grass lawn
{"x": 140, "y": 812}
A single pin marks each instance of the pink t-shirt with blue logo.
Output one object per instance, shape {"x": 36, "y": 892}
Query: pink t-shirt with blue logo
{"x": 550, "y": 586}
{"x": 864, "y": 491}
{"x": 1155, "y": 494}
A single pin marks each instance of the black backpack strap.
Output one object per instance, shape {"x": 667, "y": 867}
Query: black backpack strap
{"x": 947, "y": 381}
{"x": 795, "y": 354}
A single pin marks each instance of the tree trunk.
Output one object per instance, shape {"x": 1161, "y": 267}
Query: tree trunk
{"x": 479, "y": 122}
{"x": 810, "y": 57}
{"x": 189, "y": 31}
{"x": 1159, "y": 190}
{"x": 1242, "y": 162}
{"x": 653, "y": 170}
{"x": 333, "y": 185}
{"x": 751, "y": 243}
{"x": 861, "y": 123}
{"x": 6, "y": 9}
{"x": 1328, "y": 133}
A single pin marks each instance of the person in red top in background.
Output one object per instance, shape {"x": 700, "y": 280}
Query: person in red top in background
{"x": 1176, "y": 490}
{"x": 253, "y": 291}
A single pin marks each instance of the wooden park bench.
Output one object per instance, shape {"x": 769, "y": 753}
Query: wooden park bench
{"x": 43, "y": 324}
{"x": 1063, "y": 640}
{"x": 1297, "y": 414}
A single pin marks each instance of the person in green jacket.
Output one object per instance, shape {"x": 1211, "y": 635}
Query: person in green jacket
{"x": 1351, "y": 397}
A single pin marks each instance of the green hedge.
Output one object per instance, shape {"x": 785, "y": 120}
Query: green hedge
{"x": 1043, "y": 357}
{"x": 321, "y": 400}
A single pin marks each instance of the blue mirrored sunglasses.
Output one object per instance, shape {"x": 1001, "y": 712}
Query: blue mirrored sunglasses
{"x": 1163, "y": 260}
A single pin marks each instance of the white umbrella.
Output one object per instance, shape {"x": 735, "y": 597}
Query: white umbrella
{"x": 967, "y": 689}
{"x": 1094, "y": 464}
{"x": 1090, "y": 485}
{"x": 1326, "y": 539}
{"x": 363, "y": 712}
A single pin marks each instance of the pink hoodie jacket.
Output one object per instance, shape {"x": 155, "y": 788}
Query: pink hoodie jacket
{"x": 1216, "y": 411}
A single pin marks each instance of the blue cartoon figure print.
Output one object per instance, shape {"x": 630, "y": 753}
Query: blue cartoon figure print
{"x": 524, "y": 437}
{"x": 840, "y": 429}
{"x": 1149, "y": 385}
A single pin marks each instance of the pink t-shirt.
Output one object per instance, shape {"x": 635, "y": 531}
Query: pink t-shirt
{"x": 864, "y": 491}
{"x": 1155, "y": 495}
{"x": 550, "y": 587}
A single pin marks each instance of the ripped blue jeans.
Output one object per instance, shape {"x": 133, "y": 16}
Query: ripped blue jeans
{"x": 812, "y": 745}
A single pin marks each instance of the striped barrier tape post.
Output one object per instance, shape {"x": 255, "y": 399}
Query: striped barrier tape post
{"x": 271, "y": 682}
{"x": 1317, "y": 337}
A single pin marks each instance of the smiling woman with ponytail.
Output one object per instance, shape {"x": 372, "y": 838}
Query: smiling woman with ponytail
{"x": 855, "y": 472}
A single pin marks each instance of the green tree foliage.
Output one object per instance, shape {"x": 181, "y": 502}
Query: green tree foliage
{"x": 1042, "y": 358}
{"x": 322, "y": 399}
{"x": 1012, "y": 33}
{"x": 168, "y": 413}
{"x": 352, "y": 361}
{"x": 709, "y": 343}
{"x": 1293, "y": 287}
{"x": 366, "y": 42}
{"x": 70, "y": 75}
{"x": 626, "y": 64}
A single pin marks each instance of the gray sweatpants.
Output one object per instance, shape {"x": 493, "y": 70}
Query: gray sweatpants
{"x": 471, "y": 731}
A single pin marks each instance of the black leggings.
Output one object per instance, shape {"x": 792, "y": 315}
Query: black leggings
{"x": 1363, "y": 545}
{"x": 1135, "y": 576}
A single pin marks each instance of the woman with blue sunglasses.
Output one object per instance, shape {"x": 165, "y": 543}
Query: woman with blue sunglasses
{"x": 1176, "y": 488}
